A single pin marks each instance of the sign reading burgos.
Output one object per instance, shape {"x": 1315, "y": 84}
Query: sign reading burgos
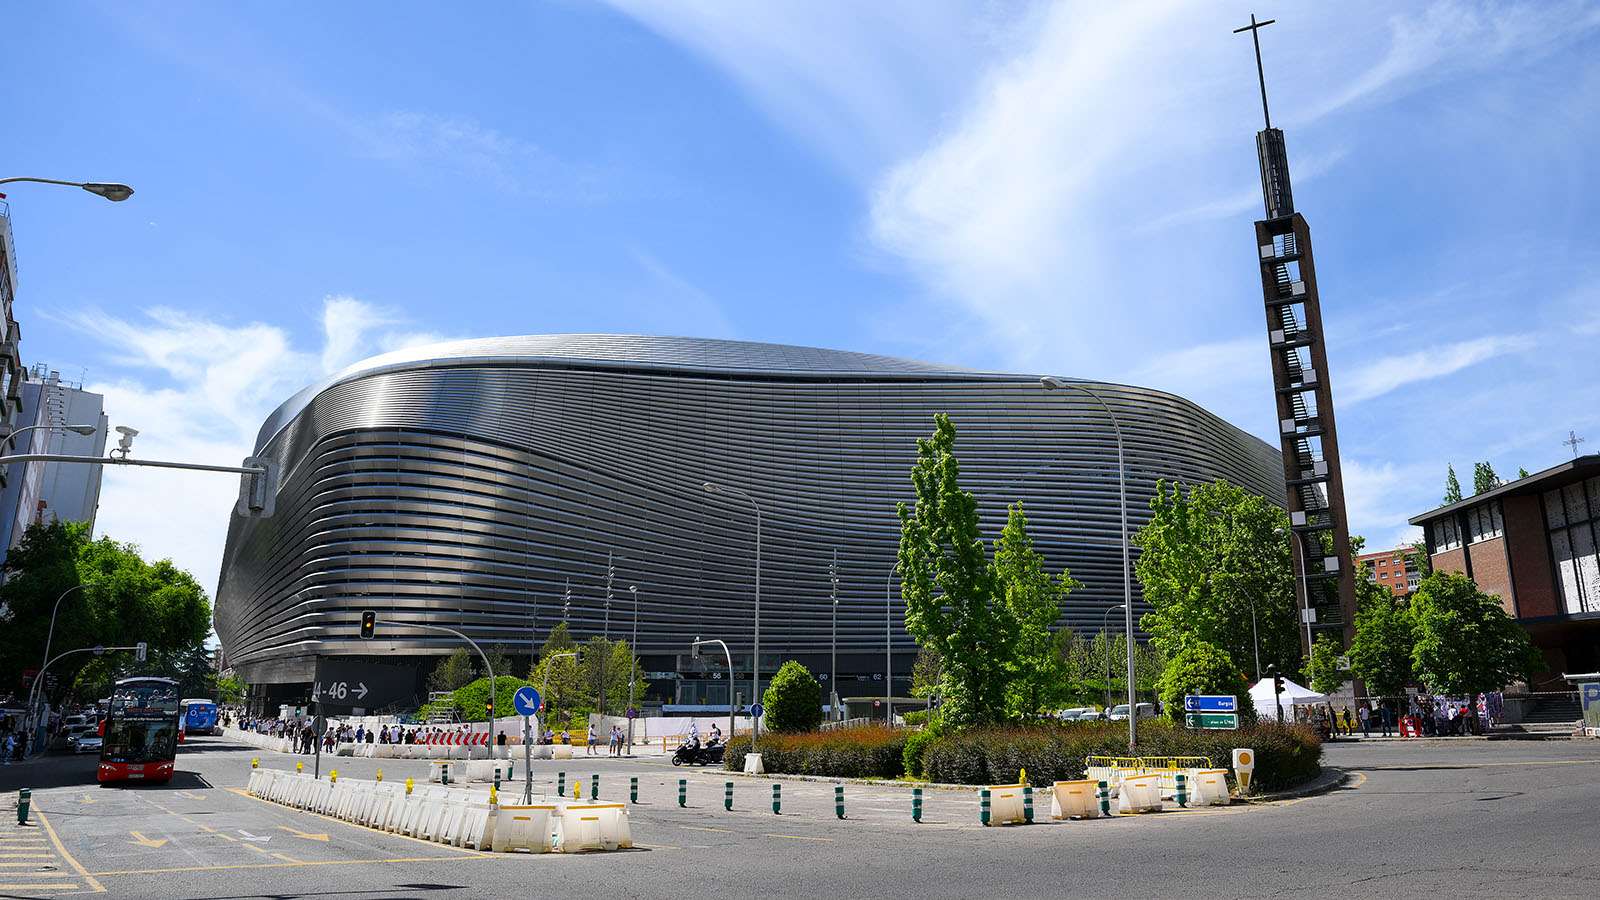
{"x": 347, "y": 685}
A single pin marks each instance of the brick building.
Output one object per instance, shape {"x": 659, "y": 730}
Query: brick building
{"x": 1533, "y": 543}
{"x": 1394, "y": 569}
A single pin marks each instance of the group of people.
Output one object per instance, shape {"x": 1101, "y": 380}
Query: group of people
{"x": 1431, "y": 716}
{"x": 305, "y": 739}
{"x": 617, "y": 741}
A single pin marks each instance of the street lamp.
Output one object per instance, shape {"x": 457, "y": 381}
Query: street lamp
{"x": 633, "y": 652}
{"x": 1051, "y": 383}
{"x": 833, "y": 671}
{"x": 11, "y": 439}
{"x": 1105, "y": 629}
{"x": 1305, "y": 587}
{"x": 695, "y": 646}
{"x": 755, "y": 665}
{"x": 50, "y": 636}
{"x": 888, "y": 650}
{"x": 110, "y": 190}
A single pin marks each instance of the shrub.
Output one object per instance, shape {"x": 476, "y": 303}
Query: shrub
{"x": 1201, "y": 668}
{"x": 1285, "y": 755}
{"x": 870, "y": 751}
{"x": 917, "y": 743}
{"x": 793, "y": 700}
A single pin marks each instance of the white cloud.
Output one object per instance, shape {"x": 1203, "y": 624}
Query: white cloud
{"x": 1379, "y": 497}
{"x": 462, "y": 145}
{"x": 198, "y": 391}
{"x": 1384, "y": 375}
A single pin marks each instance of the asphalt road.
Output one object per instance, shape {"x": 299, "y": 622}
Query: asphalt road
{"x": 1419, "y": 819}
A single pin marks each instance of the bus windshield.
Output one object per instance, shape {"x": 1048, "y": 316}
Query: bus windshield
{"x": 129, "y": 740}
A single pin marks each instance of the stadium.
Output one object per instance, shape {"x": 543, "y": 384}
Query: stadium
{"x": 499, "y": 486}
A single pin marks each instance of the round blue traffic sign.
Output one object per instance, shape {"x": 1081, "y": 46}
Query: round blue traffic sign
{"x": 526, "y": 700}
{"x": 756, "y": 710}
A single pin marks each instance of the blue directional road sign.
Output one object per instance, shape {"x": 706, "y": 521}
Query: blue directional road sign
{"x": 526, "y": 700}
{"x": 1210, "y": 703}
{"x": 756, "y": 710}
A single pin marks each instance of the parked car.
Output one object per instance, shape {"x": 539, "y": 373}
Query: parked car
{"x": 1078, "y": 714}
{"x": 1119, "y": 713}
{"x": 89, "y": 743}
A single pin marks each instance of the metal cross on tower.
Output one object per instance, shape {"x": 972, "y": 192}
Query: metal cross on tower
{"x": 1261, "y": 76}
{"x": 1573, "y": 441}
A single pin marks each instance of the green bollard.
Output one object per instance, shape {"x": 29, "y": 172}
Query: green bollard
{"x": 916, "y": 804}
{"x": 633, "y": 789}
{"x": 561, "y": 784}
{"x": 777, "y": 799}
{"x": 727, "y": 796}
{"x": 24, "y": 800}
{"x": 683, "y": 792}
{"x": 838, "y": 800}
{"x": 983, "y": 807}
{"x": 594, "y": 788}
{"x": 496, "y": 778}
{"x": 1182, "y": 790}
{"x": 1027, "y": 804}
{"x": 1104, "y": 790}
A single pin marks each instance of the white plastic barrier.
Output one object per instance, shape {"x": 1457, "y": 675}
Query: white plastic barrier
{"x": 560, "y": 751}
{"x": 1005, "y": 804}
{"x": 522, "y": 828}
{"x": 1075, "y": 800}
{"x": 484, "y": 770}
{"x": 1140, "y": 793}
{"x": 1210, "y": 788}
{"x": 477, "y": 826}
{"x": 597, "y": 826}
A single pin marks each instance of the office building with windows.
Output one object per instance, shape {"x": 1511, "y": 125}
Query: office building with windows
{"x": 500, "y": 486}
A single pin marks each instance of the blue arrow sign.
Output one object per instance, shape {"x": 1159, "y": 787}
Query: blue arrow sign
{"x": 756, "y": 710}
{"x": 526, "y": 700}
{"x": 1210, "y": 703}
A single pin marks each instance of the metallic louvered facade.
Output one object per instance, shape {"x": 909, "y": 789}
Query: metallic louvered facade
{"x": 469, "y": 484}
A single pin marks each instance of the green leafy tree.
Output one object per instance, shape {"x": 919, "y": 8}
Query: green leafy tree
{"x": 471, "y": 700}
{"x": 1465, "y": 640}
{"x": 230, "y": 690}
{"x": 1522, "y": 473}
{"x": 1380, "y": 654}
{"x": 604, "y": 670}
{"x": 1199, "y": 668}
{"x": 499, "y": 662}
{"x": 793, "y": 700}
{"x": 1323, "y": 671}
{"x": 948, "y": 585}
{"x": 559, "y": 678}
{"x": 1417, "y": 555}
{"x": 1215, "y": 567}
{"x": 452, "y": 671}
{"x": 926, "y": 672}
{"x": 1452, "y": 486}
{"x": 1032, "y": 599}
{"x": 1484, "y": 478}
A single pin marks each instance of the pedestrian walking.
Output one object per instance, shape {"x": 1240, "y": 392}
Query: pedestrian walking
{"x": 591, "y": 739}
{"x": 1365, "y": 715}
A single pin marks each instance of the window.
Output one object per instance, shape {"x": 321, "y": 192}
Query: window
{"x": 1483, "y": 522}
{"x": 1572, "y": 519}
{"x": 1445, "y": 535}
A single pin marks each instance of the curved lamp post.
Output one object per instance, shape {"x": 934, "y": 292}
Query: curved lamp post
{"x": 1052, "y": 383}
{"x": 10, "y": 441}
{"x": 755, "y": 664}
{"x": 110, "y": 190}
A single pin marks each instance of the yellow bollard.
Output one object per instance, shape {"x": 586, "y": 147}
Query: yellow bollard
{"x": 333, "y": 776}
{"x": 299, "y": 768}
{"x": 577, "y": 789}
{"x": 255, "y": 762}
{"x": 380, "y": 774}
{"x": 494, "y": 795}
{"x": 1022, "y": 775}
{"x": 408, "y": 786}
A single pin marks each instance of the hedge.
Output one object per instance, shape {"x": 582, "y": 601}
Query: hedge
{"x": 1285, "y": 755}
{"x": 868, "y": 751}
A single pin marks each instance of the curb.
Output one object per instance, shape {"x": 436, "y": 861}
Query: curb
{"x": 869, "y": 782}
{"x": 1330, "y": 779}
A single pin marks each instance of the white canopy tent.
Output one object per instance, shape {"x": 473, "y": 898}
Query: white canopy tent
{"x": 1293, "y": 695}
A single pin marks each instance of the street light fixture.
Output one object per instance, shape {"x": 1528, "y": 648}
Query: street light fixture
{"x": 1052, "y": 383}
{"x": 633, "y": 653}
{"x": 11, "y": 439}
{"x": 1105, "y": 629}
{"x": 110, "y": 190}
{"x": 755, "y": 664}
{"x": 695, "y": 646}
{"x": 833, "y": 653}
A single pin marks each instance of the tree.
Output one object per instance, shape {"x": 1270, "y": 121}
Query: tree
{"x": 1322, "y": 670}
{"x": 472, "y": 698}
{"x": 1522, "y": 473}
{"x": 1465, "y": 640}
{"x": 558, "y": 678}
{"x": 948, "y": 585}
{"x": 1215, "y": 567}
{"x": 230, "y": 690}
{"x": 452, "y": 672}
{"x": 1032, "y": 599}
{"x": 1417, "y": 555}
{"x": 499, "y": 662}
{"x": 793, "y": 700}
{"x": 1484, "y": 478}
{"x": 108, "y": 595}
{"x": 1200, "y": 668}
{"x": 1452, "y": 486}
{"x": 604, "y": 670}
{"x": 1380, "y": 655}
{"x": 926, "y": 671}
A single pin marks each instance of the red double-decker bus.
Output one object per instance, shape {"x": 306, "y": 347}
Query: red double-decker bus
{"x": 140, "y": 731}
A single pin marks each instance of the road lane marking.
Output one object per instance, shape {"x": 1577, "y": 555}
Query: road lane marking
{"x": 39, "y": 887}
{"x": 287, "y": 858}
{"x": 801, "y": 837}
{"x": 310, "y": 863}
{"x": 302, "y": 834}
{"x": 44, "y": 855}
{"x": 152, "y": 843}
{"x": 20, "y": 865}
{"x": 61, "y": 848}
{"x": 704, "y": 828}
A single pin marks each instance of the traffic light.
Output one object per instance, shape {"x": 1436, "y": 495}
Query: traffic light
{"x": 369, "y": 624}
{"x": 489, "y": 708}
{"x": 140, "y": 650}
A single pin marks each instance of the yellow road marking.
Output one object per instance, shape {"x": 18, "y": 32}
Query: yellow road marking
{"x": 307, "y": 864}
{"x": 798, "y": 837}
{"x": 287, "y": 858}
{"x": 39, "y": 887}
{"x": 462, "y": 850}
{"x": 258, "y": 850}
{"x": 46, "y": 855}
{"x": 17, "y": 865}
{"x": 704, "y": 828}
{"x": 206, "y": 828}
{"x": 302, "y": 834}
{"x": 152, "y": 843}
{"x": 72, "y": 861}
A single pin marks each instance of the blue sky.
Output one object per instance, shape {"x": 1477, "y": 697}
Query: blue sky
{"x": 1033, "y": 187}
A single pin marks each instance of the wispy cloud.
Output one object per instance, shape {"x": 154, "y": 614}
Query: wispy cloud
{"x": 465, "y": 146}
{"x": 682, "y": 307}
{"x": 1389, "y": 373}
{"x": 198, "y": 389}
